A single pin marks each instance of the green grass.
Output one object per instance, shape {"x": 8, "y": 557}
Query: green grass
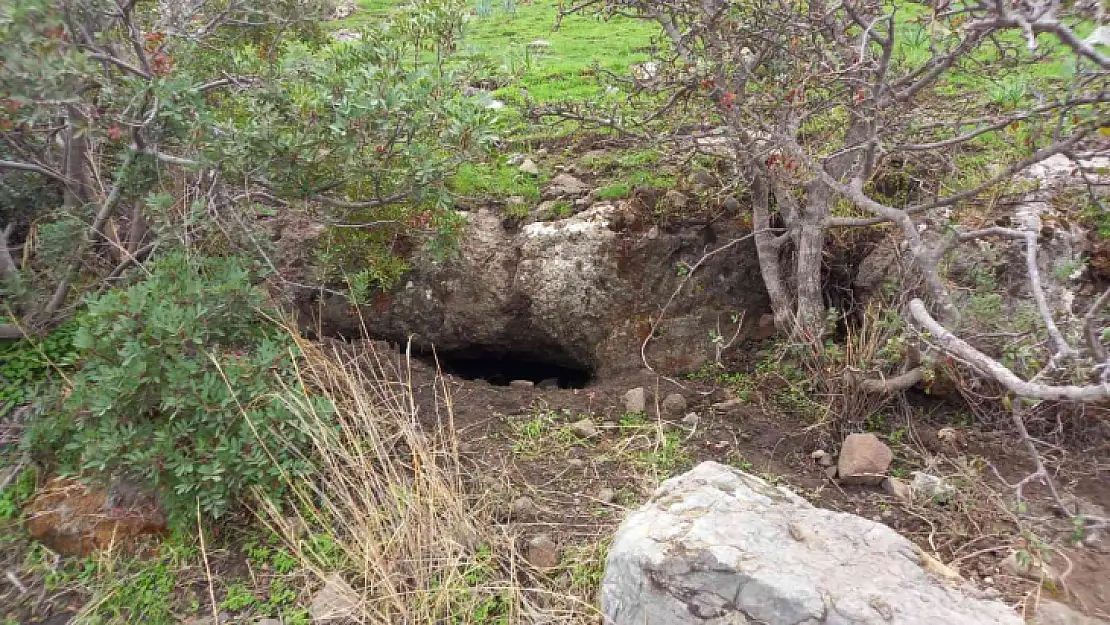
{"x": 559, "y": 209}
{"x": 636, "y": 180}
{"x": 559, "y": 71}
{"x": 493, "y": 181}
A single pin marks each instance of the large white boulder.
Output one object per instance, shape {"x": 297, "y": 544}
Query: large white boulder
{"x": 717, "y": 546}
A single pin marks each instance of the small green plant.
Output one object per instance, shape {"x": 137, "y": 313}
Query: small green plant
{"x": 586, "y": 565}
{"x": 296, "y": 616}
{"x": 1008, "y": 93}
{"x": 632, "y": 420}
{"x": 238, "y": 597}
{"x": 280, "y": 593}
{"x": 496, "y": 181}
{"x": 1069, "y": 268}
{"x": 560, "y": 209}
{"x": 179, "y": 387}
{"x": 18, "y": 492}
{"x": 737, "y": 460}
{"x": 528, "y": 436}
{"x": 127, "y": 589}
{"x": 666, "y": 456}
{"x": 614, "y": 192}
{"x": 27, "y": 365}
{"x": 516, "y": 210}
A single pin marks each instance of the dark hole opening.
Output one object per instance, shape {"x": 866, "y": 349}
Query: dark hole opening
{"x": 501, "y": 369}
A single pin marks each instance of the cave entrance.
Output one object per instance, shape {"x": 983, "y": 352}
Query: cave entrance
{"x": 501, "y": 369}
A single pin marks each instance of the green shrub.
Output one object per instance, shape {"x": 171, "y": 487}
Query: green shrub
{"x": 180, "y": 371}
{"x": 26, "y": 365}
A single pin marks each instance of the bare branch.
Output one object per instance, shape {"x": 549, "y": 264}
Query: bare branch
{"x": 886, "y": 386}
{"x": 1091, "y": 330}
{"x": 120, "y": 63}
{"x": 38, "y": 169}
{"x": 8, "y": 269}
{"x": 994, "y": 370}
{"x": 1035, "y": 286}
{"x": 95, "y": 230}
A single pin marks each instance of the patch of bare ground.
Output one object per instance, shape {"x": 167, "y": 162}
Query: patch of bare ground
{"x": 520, "y": 443}
{"x": 537, "y": 479}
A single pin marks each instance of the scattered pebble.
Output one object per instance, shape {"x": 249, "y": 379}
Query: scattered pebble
{"x": 584, "y": 428}
{"x": 675, "y": 199}
{"x": 864, "y": 459}
{"x": 336, "y": 602}
{"x": 576, "y": 463}
{"x": 542, "y": 552}
{"x": 673, "y": 405}
{"x": 529, "y": 167}
{"x": 899, "y": 489}
{"x": 691, "y": 419}
{"x": 524, "y": 509}
{"x": 607, "y": 495}
{"x": 931, "y": 487}
{"x": 635, "y": 400}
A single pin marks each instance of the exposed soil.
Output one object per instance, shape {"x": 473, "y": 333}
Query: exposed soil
{"x": 973, "y": 532}
{"x": 518, "y": 442}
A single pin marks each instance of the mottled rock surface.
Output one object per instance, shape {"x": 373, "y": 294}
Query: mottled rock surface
{"x": 717, "y": 546}
{"x": 576, "y": 292}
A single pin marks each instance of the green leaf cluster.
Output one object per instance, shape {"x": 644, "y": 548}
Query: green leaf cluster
{"x": 180, "y": 387}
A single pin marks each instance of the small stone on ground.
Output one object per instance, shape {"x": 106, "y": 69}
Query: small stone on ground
{"x": 607, "y": 495}
{"x": 542, "y": 552}
{"x": 673, "y": 405}
{"x": 584, "y": 428}
{"x": 931, "y": 487}
{"x": 898, "y": 489}
{"x": 529, "y": 167}
{"x": 565, "y": 185}
{"x": 524, "y": 509}
{"x": 635, "y": 400}
{"x": 864, "y": 459}
{"x": 335, "y": 603}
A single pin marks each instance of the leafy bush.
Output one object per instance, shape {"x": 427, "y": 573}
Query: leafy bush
{"x": 178, "y": 388}
{"x": 26, "y": 365}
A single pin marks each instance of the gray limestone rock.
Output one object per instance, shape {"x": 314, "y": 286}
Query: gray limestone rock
{"x": 717, "y": 546}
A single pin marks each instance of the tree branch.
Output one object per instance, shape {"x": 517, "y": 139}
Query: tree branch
{"x": 886, "y": 386}
{"x": 8, "y": 269}
{"x": 38, "y": 169}
{"x": 994, "y": 370}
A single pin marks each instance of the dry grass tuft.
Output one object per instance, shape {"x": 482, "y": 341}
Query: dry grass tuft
{"x": 388, "y": 509}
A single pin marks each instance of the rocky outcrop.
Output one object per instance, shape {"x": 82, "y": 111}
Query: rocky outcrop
{"x": 578, "y": 292}
{"x": 717, "y": 546}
